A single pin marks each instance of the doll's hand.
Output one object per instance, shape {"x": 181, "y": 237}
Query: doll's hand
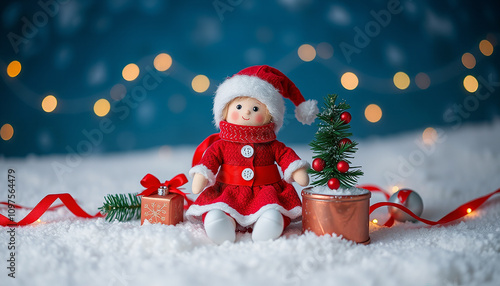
{"x": 301, "y": 177}
{"x": 199, "y": 183}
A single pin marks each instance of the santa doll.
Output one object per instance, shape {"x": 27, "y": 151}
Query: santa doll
{"x": 236, "y": 170}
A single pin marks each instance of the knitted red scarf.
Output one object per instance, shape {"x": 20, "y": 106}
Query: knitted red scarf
{"x": 246, "y": 134}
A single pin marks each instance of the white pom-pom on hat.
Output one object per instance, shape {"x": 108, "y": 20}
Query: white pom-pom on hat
{"x": 269, "y": 86}
{"x": 306, "y": 111}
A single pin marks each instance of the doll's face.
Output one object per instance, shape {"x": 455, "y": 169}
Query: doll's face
{"x": 247, "y": 111}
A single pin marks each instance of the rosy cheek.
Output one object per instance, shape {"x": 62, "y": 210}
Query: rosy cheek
{"x": 234, "y": 116}
{"x": 259, "y": 118}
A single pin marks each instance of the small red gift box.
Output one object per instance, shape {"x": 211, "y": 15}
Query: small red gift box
{"x": 163, "y": 202}
{"x": 164, "y": 209}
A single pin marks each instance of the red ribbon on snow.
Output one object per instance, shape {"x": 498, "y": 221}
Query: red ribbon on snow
{"x": 458, "y": 213}
{"x": 28, "y": 208}
{"x": 70, "y": 203}
{"x": 44, "y": 205}
{"x": 152, "y": 184}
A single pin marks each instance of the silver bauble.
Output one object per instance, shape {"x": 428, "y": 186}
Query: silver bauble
{"x": 411, "y": 200}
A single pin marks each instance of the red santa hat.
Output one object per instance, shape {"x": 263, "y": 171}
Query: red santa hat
{"x": 269, "y": 86}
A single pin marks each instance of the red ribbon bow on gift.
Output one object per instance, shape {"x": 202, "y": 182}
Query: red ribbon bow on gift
{"x": 152, "y": 184}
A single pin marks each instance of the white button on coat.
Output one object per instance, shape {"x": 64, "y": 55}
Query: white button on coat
{"x": 247, "y": 151}
{"x": 247, "y": 174}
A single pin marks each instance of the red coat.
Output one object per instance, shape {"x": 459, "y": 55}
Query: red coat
{"x": 246, "y": 184}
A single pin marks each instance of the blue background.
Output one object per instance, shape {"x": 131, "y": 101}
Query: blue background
{"x": 79, "y": 54}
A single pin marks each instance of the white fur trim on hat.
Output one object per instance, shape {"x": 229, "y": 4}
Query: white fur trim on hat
{"x": 250, "y": 86}
{"x": 306, "y": 111}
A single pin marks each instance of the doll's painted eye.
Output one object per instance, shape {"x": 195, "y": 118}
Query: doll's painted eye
{"x": 255, "y": 108}
{"x": 238, "y": 106}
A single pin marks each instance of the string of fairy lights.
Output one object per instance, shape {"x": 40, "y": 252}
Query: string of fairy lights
{"x": 306, "y": 52}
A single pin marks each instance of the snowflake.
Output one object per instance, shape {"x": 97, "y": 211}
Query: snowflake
{"x": 155, "y": 211}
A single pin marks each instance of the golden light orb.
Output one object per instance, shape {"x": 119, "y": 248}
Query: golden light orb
{"x": 401, "y": 80}
{"x": 130, "y": 72}
{"x": 349, "y": 81}
{"x": 102, "y": 107}
{"x": 200, "y": 83}
{"x": 306, "y": 52}
{"x": 49, "y": 103}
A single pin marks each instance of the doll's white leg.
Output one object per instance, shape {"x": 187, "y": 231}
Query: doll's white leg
{"x": 220, "y": 227}
{"x": 268, "y": 226}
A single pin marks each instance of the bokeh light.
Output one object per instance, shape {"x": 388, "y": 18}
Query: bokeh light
{"x": 429, "y": 136}
{"x": 162, "y": 62}
{"x": 102, "y": 107}
{"x": 468, "y": 60}
{"x": 306, "y": 52}
{"x": 130, "y": 72}
{"x": 373, "y": 113}
{"x": 6, "y": 132}
{"x": 324, "y": 50}
{"x": 49, "y": 103}
{"x": 470, "y": 83}
{"x": 349, "y": 80}
{"x": 14, "y": 68}
{"x": 401, "y": 80}
{"x": 200, "y": 83}
{"x": 422, "y": 80}
{"x": 486, "y": 47}
{"x": 118, "y": 92}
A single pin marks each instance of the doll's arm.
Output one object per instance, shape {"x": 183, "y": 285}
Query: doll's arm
{"x": 301, "y": 177}
{"x": 204, "y": 173}
{"x": 199, "y": 183}
{"x": 294, "y": 169}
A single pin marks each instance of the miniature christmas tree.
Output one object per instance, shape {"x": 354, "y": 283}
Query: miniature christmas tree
{"x": 332, "y": 147}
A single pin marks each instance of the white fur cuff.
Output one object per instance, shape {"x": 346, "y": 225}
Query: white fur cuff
{"x": 206, "y": 172}
{"x": 294, "y": 166}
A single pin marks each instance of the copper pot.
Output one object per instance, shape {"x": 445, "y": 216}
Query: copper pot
{"x": 333, "y": 214}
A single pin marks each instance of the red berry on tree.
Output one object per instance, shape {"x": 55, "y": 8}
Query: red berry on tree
{"x": 333, "y": 183}
{"x": 342, "y": 166}
{"x": 318, "y": 164}
{"x": 346, "y": 117}
{"x": 345, "y": 141}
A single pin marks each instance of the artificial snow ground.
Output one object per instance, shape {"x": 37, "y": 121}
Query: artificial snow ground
{"x": 64, "y": 250}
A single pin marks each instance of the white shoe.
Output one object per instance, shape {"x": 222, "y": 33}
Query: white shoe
{"x": 220, "y": 227}
{"x": 268, "y": 226}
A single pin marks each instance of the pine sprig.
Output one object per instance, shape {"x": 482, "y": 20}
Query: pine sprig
{"x": 122, "y": 207}
{"x": 326, "y": 146}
